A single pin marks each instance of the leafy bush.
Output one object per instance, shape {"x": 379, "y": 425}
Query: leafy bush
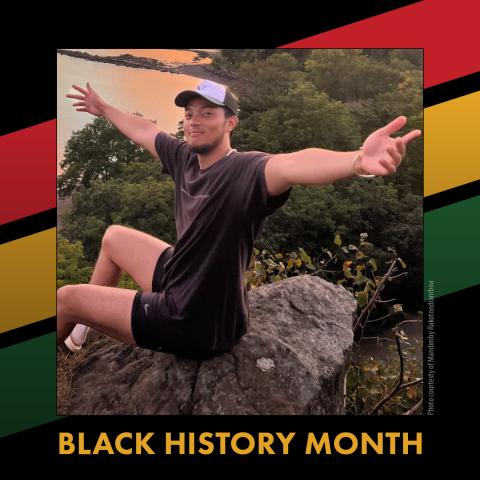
{"x": 71, "y": 265}
{"x": 371, "y": 381}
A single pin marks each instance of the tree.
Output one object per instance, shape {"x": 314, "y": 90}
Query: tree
{"x": 303, "y": 118}
{"x": 97, "y": 152}
{"x": 231, "y": 58}
{"x": 146, "y": 206}
{"x": 261, "y": 83}
{"x": 313, "y": 215}
{"x": 348, "y": 74}
{"x": 71, "y": 267}
{"x": 405, "y": 99}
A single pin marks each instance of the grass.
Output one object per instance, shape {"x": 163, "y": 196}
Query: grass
{"x": 68, "y": 364}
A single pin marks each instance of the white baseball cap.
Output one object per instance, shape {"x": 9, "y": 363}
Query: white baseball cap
{"x": 213, "y": 92}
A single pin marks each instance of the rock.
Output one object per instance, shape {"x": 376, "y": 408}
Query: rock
{"x": 293, "y": 360}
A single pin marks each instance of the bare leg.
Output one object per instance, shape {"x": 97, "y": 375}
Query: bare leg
{"x": 126, "y": 249}
{"x": 105, "y": 273}
{"x": 130, "y": 250}
{"x": 106, "y": 309}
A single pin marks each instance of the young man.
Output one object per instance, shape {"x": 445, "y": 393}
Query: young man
{"x": 193, "y": 300}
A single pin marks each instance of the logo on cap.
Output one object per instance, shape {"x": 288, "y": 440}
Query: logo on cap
{"x": 213, "y": 91}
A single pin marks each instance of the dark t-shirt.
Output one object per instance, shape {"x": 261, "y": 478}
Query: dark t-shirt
{"x": 219, "y": 212}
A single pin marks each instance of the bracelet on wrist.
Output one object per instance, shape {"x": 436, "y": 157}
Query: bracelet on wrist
{"x": 356, "y": 171}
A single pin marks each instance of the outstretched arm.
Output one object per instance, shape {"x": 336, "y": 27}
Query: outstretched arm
{"x": 138, "y": 129}
{"x": 380, "y": 155}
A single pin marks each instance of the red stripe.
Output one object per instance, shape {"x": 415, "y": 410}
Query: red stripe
{"x": 28, "y": 171}
{"x": 447, "y": 30}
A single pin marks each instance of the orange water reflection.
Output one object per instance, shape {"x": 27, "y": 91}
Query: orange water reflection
{"x": 148, "y": 92}
{"x": 163, "y": 55}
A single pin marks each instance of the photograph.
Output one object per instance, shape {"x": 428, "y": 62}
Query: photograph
{"x": 240, "y": 231}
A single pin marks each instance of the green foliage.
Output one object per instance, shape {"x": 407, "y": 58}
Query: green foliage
{"x": 138, "y": 172}
{"x": 297, "y": 115}
{"x": 349, "y": 75}
{"x": 355, "y": 267}
{"x": 71, "y": 265}
{"x": 127, "y": 282}
{"x": 313, "y": 215}
{"x": 99, "y": 152}
{"x": 147, "y": 206}
{"x": 412, "y": 58}
{"x": 371, "y": 380}
{"x": 289, "y": 100}
{"x": 374, "y": 112}
{"x": 262, "y": 83}
{"x": 73, "y": 268}
{"x": 269, "y": 267}
{"x": 232, "y": 58}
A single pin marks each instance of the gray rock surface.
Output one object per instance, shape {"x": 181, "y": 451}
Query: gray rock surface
{"x": 292, "y": 361}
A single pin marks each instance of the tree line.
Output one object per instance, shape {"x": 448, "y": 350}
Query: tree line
{"x": 289, "y": 100}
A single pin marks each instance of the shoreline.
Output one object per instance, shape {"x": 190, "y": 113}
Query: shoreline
{"x": 203, "y": 71}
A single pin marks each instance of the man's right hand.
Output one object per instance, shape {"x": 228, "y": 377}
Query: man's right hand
{"x": 138, "y": 129}
{"x": 90, "y": 101}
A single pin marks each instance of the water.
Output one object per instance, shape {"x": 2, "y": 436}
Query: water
{"x": 133, "y": 90}
{"x": 379, "y": 349}
{"x": 166, "y": 56}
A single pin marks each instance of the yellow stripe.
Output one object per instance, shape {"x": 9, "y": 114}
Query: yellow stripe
{"x": 452, "y": 150}
{"x": 28, "y": 280}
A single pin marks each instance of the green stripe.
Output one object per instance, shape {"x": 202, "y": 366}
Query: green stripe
{"x": 27, "y": 375}
{"x": 452, "y": 253}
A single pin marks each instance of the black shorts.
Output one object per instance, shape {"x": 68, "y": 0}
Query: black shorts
{"x": 154, "y": 324}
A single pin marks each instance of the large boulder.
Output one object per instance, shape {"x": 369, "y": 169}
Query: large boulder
{"x": 293, "y": 360}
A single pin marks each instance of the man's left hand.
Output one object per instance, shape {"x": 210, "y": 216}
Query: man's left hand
{"x": 381, "y": 154}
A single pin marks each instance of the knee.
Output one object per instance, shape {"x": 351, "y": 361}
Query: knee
{"x": 64, "y": 295}
{"x": 111, "y": 234}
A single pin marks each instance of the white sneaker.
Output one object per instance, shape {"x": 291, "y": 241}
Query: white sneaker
{"x": 77, "y": 338}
